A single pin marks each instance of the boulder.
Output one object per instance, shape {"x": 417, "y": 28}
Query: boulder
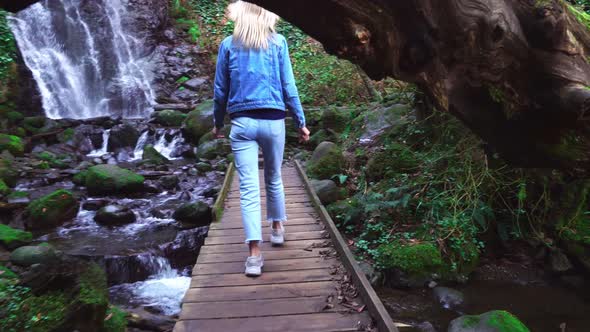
{"x": 114, "y": 215}
{"x": 4, "y": 189}
{"x": 326, "y": 161}
{"x": 376, "y": 122}
{"x": 7, "y": 171}
{"x": 170, "y": 118}
{"x": 393, "y": 159}
{"x": 195, "y": 83}
{"x": 212, "y": 149}
{"x": 169, "y": 182}
{"x": 410, "y": 264}
{"x": 51, "y": 210}
{"x": 199, "y": 121}
{"x": 558, "y": 262}
{"x": 336, "y": 119}
{"x": 111, "y": 179}
{"x": 183, "y": 94}
{"x": 29, "y": 255}
{"x": 492, "y": 321}
{"x": 327, "y": 191}
{"x": 449, "y": 298}
{"x": 123, "y": 136}
{"x": 204, "y": 167}
{"x": 12, "y": 144}
{"x": 152, "y": 156}
{"x": 194, "y": 214}
{"x": 13, "y": 238}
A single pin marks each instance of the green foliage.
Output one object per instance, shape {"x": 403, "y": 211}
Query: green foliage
{"x": 116, "y": 320}
{"x": 6, "y": 273}
{"x": 7, "y": 52}
{"x": 12, "y": 144}
{"x": 4, "y": 189}
{"x": 9, "y": 235}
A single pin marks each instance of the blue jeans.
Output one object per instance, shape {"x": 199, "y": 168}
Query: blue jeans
{"x": 246, "y": 136}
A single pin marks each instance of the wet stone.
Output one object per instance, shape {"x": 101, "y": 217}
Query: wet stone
{"x": 114, "y": 215}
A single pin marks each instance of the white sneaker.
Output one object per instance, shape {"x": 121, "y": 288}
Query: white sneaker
{"x": 277, "y": 236}
{"x": 254, "y": 266}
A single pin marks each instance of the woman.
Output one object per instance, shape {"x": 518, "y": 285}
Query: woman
{"x": 254, "y": 83}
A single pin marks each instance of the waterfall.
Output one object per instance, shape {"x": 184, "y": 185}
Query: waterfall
{"x": 105, "y": 144}
{"x": 141, "y": 142}
{"x": 85, "y": 62}
{"x": 166, "y": 141}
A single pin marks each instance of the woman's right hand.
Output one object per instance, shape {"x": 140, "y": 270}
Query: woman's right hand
{"x": 303, "y": 135}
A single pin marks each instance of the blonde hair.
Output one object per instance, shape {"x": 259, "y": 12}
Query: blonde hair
{"x": 254, "y": 25}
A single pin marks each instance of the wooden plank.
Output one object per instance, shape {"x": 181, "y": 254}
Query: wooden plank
{"x": 297, "y": 210}
{"x": 269, "y": 266}
{"x": 322, "y": 322}
{"x": 237, "y": 223}
{"x": 384, "y": 321}
{"x": 254, "y": 308}
{"x": 235, "y": 194}
{"x": 225, "y": 187}
{"x": 268, "y": 256}
{"x": 232, "y": 239}
{"x": 235, "y": 206}
{"x": 258, "y": 292}
{"x": 266, "y": 229}
{"x": 284, "y": 277}
{"x": 265, "y": 246}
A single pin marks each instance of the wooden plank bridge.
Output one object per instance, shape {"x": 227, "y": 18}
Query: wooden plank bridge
{"x": 310, "y": 284}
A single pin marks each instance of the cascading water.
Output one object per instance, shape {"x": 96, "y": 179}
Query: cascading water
{"x": 105, "y": 144}
{"x": 166, "y": 141}
{"x": 85, "y": 62}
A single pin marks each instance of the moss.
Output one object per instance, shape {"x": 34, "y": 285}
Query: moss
{"x": 52, "y": 160}
{"x": 34, "y": 124}
{"x": 470, "y": 321}
{"x": 332, "y": 163}
{"x": 10, "y": 236}
{"x": 170, "y": 118}
{"x": 110, "y": 179}
{"x": 51, "y": 210}
{"x": 115, "y": 321}
{"x": 504, "y": 321}
{"x": 152, "y": 156}
{"x": 182, "y": 80}
{"x": 93, "y": 286}
{"x": 66, "y": 135}
{"x": 580, "y": 15}
{"x": 12, "y": 144}
{"x": 7, "y": 172}
{"x": 18, "y": 195}
{"x": 80, "y": 178}
{"x": 198, "y": 122}
{"x": 336, "y": 119}
{"x": 394, "y": 159}
{"x": 14, "y": 117}
{"x": 416, "y": 259}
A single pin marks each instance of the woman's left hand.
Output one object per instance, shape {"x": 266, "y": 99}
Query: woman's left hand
{"x": 217, "y": 133}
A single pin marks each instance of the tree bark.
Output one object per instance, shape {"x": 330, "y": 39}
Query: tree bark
{"x": 514, "y": 71}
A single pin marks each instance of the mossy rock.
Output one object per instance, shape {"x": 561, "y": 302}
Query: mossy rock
{"x": 208, "y": 137}
{"x": 204, "y": 167}
{"x": 326, "y": 161}
{"x": 14, "y": 117}
{"x": 492, "y": 321}
{"x": 7, "y": 172}
{"x": 53, "y": 160}
{"x": 394, "y": 159}
{"x": 321, "y": 136}
{"x": 66, "y": 135}
{"x": 336, "y": 119}
{"x": 13, "y": 238}
{"x": 51, "y": 210}
{"x": 194, "y": 214}
{"x": 199, "y": 121}
{"x": 152, "y": 156}
{"x": 111, "y": 179}
{"x": 29, "y": 255}
{"x": 170, "y": 118}
{"x": 12, "y": 144}
{"x": 4, "y": 189}
{"x": 418, "y": 262}
{"x": 347, "y": 212}
{"x": 213, "y": 149}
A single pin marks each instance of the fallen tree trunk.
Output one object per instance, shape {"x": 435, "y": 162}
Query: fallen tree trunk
{"x": 515, "y": 71}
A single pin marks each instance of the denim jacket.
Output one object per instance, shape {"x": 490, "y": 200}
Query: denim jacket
{"x": 247, "y": 79}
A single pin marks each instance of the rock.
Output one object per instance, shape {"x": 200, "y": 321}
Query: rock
{"x": 29, "y": 255}
{"x": 7, "y": 172}
{"x": 13, "y": 238}
{"x": 558, "y": 262}
{"x": 492, "y": 321}
{"x": 114, "y": 215}
{"x": 212, "y": 192}
{"x": 183, "y": 94}
{"x": 375, "y": 277}
{"x": 93, "y": 205}
{"x": 87, "y": 138}
{"x": 176, "y": 107}
{"x": 169, "y": 182}
{"x": 194, "y": 214}
{"x": 394, "y": 159}
{"x": 425, "y": 327}
{"x": 195, "y": 83}
{"x": 51, "y": 210}
{"x": 4, "y": 189}
{"x": 449, "y": 298}
{"x": 206, "y": 138}
{"x": 327, "y": 190}
{"x": 34, "y": 124}
{"x": 123, "y": 136}
{"x": 322, "y": 135}
{"x": 326, "y": 161}
{"x": 213, "y": 149}
{"x": 170, "y": 118}
{"x": 199, "y": 121}
{"x": 204, "y": 167}
{"x": 410, "y": 265}
{"x": 111, "y": 179}
{"x": 12, "y": 144}
{"x": 152, "y": 156}
{"x": 336, "y": 119}
{"x": 379, "y": 121}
